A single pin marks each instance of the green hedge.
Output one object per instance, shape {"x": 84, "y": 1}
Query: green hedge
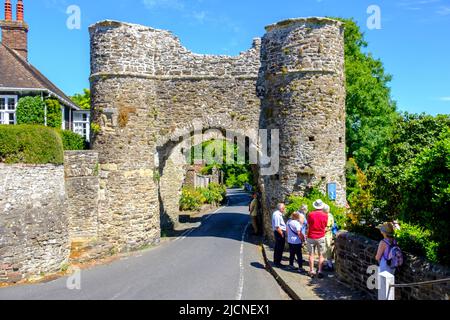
{"x": 72, "y": 140}
{"x": 30, "y": 144}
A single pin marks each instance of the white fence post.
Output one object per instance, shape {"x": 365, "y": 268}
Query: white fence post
{"x": 385, "y": 291}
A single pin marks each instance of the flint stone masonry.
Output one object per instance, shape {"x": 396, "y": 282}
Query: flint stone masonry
{"x": 302, "y": 75}
{"x": 149, "y": 94}
{"x": 355, "y": 253}
{"x": 33, "y": 221}
{"x": 81, "y": 171}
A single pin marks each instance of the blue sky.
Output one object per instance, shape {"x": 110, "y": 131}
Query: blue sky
{"x": 413, "y": 42}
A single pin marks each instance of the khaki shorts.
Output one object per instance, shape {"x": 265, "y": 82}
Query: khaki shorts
{"x": 312, "y": 244}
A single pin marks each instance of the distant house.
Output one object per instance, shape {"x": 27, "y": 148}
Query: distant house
{"x": 18, "y": 78}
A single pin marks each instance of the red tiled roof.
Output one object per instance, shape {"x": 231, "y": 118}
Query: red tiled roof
{"x": 17, "y": 73}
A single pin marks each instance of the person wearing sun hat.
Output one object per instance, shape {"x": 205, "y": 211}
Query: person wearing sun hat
{"x": 388, "y": 231}
{"x": 317, "y": 225}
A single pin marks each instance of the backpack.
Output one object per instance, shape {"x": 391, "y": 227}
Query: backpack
{"x": 335, "y": 229}
{"x": 394, "y": 257}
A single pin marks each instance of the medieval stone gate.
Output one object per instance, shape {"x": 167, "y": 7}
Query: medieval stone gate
{"x": 148, "y": 92}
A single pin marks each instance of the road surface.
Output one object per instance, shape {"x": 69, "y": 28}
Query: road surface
{"x": 217, "y": 261}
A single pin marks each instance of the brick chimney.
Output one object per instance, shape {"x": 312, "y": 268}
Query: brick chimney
{"x": 15, "y": 33}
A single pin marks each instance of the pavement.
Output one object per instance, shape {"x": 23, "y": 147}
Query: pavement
{"x": 303, "y": 287}
{"x": 218, "y": 260}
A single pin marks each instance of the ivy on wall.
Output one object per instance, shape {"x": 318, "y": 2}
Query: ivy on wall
{"x": 31, "y": 110}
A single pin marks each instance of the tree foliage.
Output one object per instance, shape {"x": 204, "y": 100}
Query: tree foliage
{"x": 371, "y": 113}
{"x": 83, "y": 100}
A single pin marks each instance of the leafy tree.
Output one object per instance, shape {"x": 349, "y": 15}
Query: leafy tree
{"x": 425, "y": 191}
{"x": 413, "y": 183}
{"x": 371, "y": 113}
{"x": 235, "y": 175}
{"x": 412, "y": 135}
{"x": 83, "y": 100}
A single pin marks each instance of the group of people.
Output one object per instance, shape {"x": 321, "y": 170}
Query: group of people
{"x": 316, "y": 229}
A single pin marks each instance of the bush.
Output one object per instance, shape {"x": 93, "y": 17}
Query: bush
{"x": 417, "y": 240}
{"x": 30, "y": 110}
{"x": 30, "y": 144}
{"x": 72, "y": 141}
{"x": 214, "y": 194}
{"x": 296, "y": 202}
{"x": 191, "y": 199}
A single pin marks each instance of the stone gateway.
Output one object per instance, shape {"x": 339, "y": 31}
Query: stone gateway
{"x": 148, "y": 91}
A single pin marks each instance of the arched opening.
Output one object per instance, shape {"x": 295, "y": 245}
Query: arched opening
{"x": 208, "y": 156}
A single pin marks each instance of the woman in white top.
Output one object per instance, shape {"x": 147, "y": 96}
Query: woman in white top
{"x": 295, "y": 241}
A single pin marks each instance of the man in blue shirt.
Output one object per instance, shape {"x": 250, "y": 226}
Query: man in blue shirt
{"x": 279, "y": 230}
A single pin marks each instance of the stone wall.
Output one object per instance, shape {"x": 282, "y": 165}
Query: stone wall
{"x": 82, "y": 188}
{"x": 302, "y": 83}
{"x": 149, "y": 93}
{"x": 354, "y": 254}
{"x": 33, "y": 221}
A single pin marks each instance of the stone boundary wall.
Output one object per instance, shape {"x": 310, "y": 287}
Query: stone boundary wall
{"x": 33, "y": 221}
{"x": 81, "y": 171}
{"x": 355, "y": 253}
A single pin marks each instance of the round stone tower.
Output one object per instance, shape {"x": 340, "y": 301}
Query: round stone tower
{"x": 303, "y": 95}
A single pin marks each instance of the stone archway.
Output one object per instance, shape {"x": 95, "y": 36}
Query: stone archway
{"x": 172, "y": 163}
{"x": 146, "y": 86}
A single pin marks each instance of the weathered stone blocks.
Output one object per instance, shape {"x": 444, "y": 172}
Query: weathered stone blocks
{"x": 146, "y": 88}
{"x": 33, "y": 221}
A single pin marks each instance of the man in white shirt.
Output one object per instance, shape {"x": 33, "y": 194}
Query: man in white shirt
{"x": 279, "y": 230}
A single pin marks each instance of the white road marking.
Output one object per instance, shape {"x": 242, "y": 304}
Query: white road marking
{"x": 185, "y": 234}
{"x": 241, "y": 266}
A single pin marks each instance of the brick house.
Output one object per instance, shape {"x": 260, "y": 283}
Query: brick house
{"x": 18, "y": 78}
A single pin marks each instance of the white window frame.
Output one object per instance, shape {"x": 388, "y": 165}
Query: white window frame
{"x": 87, "y": 123}
{"x": 6, "y": 111}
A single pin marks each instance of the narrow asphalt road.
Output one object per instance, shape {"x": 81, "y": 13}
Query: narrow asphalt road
{"x": 217, "y": 261}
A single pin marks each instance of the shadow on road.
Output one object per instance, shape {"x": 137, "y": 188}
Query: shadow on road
{"x": 228, "y": 223}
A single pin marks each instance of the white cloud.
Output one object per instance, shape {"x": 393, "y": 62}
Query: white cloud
{"x": 444, "y": 11}
{"x": 416, "y": 5}
{"x": 199, "y": 16}
{"x": 164, "y": 4}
